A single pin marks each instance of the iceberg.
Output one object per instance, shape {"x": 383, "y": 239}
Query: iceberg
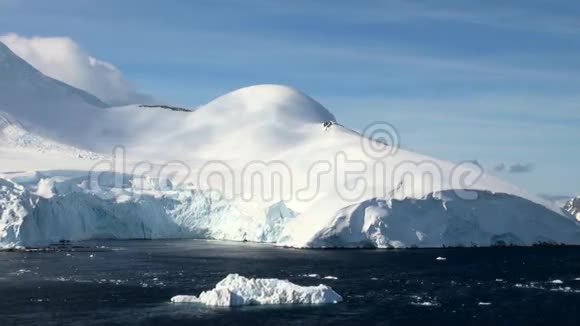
{"x": 236, "y": 290}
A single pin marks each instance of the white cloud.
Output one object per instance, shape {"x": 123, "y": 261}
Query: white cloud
{"x": 63, "y": 59}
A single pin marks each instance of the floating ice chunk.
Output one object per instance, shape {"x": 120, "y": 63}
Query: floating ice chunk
{"x": 426, "y": 303}
{"x": 185, "y": 299}
{"x": 557, "y": 282}
{"x": 440, "y": 258}
{"x": 484, "y": 304}
{"x": 22, "y": 271}
{"x": 217, "y": 297}
{"x": 310, "y": 275}
{"x": 534, "y": 286}
{"x": 566, "y": 289}
{"x": 419, "y": 301}
{"x": 236, "y": 290}
{"x": 330, "y": 278}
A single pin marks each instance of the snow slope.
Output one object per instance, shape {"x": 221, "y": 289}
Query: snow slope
{"x": 193, "y": 174}
{"x": 236, "y": 290}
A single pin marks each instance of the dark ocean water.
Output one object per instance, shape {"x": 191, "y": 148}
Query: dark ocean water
{"x": 131, "y": 282}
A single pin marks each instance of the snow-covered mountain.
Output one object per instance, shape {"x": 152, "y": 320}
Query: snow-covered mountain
{"x": 39, "y": 102}
{"x": 573, "y": 207}
{"x": 263, "y": 163}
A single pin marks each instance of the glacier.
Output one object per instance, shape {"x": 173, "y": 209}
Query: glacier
{"x": 73, "y": 168}
{"x": 236, "y": 290}
{"x": 66, "y": 209}
{"x": 441, "y": 218}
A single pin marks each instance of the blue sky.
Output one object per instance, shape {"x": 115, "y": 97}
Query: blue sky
{"x": 493, "y": 81}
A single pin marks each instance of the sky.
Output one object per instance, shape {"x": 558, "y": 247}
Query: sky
{"x": 492, "y": 81}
